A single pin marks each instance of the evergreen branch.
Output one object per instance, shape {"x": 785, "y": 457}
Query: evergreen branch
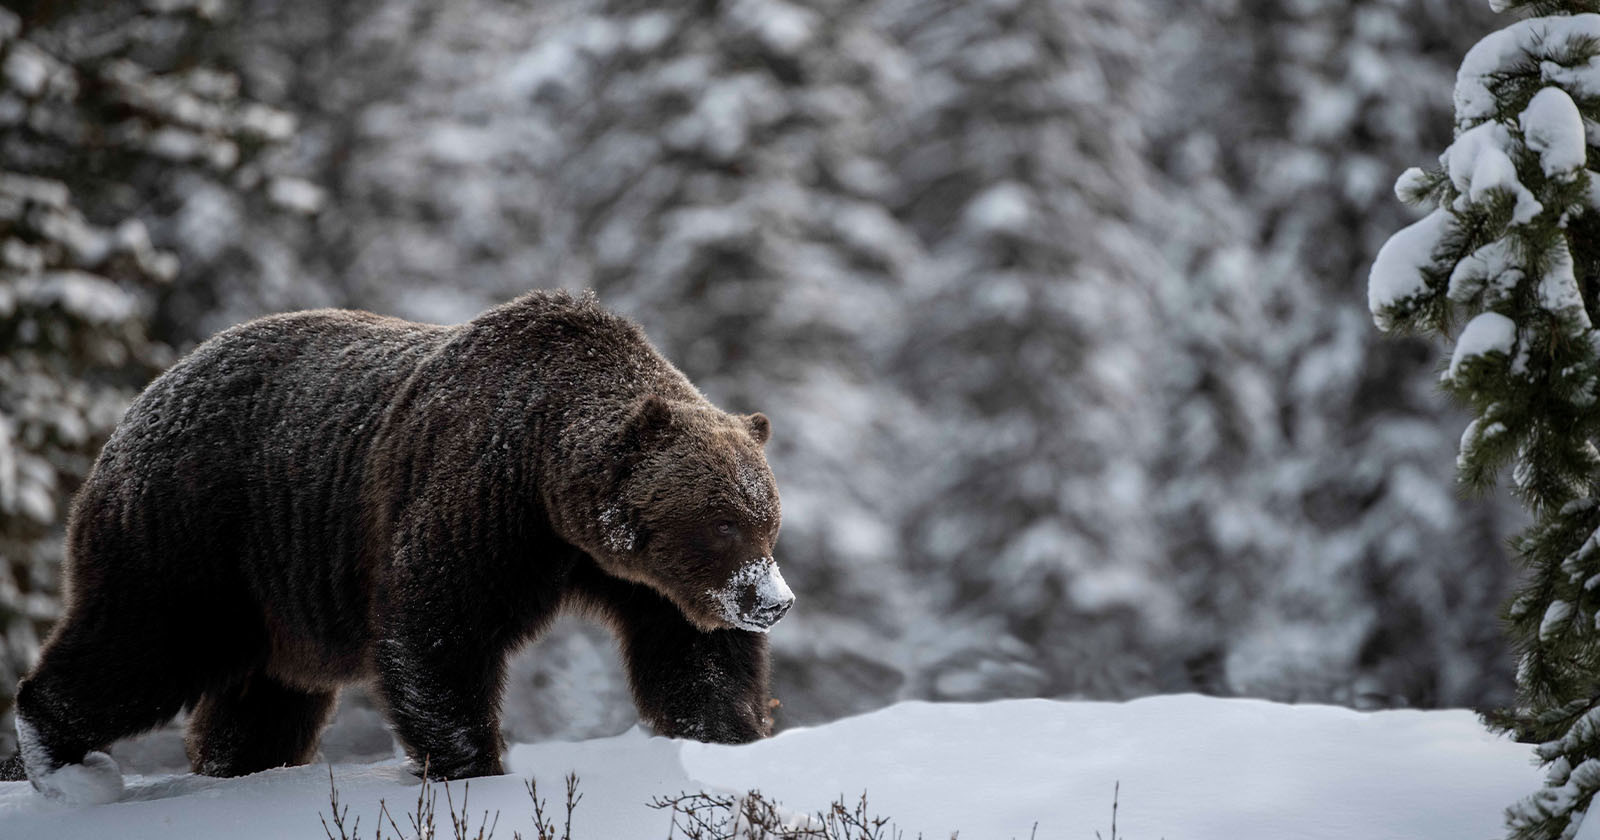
{"x": 1516, "y": 257}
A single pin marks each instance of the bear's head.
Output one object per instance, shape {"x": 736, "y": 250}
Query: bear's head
{"x": 694, "y": 513}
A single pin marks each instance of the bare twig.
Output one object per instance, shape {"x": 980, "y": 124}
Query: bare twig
{"x": 1116, "y": 795}
{"x": 461, "y": 822}
{"x": 339, "y": 814}
{"x": 573, "y": 798}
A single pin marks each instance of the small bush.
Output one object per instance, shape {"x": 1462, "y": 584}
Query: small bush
{"x": 694, "y": 816}
{"x": 753, "y": 816}
{"x": 423, "y": 816}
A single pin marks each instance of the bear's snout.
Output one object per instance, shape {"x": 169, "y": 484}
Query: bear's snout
{"x": 755, "y": 597}
{"x": 767, "y": 614}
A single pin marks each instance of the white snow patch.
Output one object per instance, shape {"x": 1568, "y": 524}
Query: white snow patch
{"x": 1003, "y": 208}
{"x": 1572, "y": 563}
{"x": 266, "y": 122}
{"x": 1489, "y": 332}
{"x": 1492, "y": 269}
{"x": 1409, "y": 186}
{"x": 1582, "y": 79}
{"x": 784, "y": 28}
{"x": 1566, "y": 786}
{"x": 1554, "y": 615}
{"x": 648, "y": 31}
{"x": 755, "y": 488}
{"x": 1588, "y": 829}
{"x": 1190, "y": 767}
{"x": 1580, "y": 735}
{"x": 1519, "y": 365}
{"x": 619, "y": 536}
{"x": 1553, "y": 127}
{"x": 88, "y": 296}
{"x": 34, "y": 756}
{"x": 96, "y": 781}
{"x": 552, "y": 64}
{"x": 296, "y": 195}
{"x": 1558, "y": 288}
{"x": 1479, "y": 161}
{"x": 26, "y": 70}
{"x": 1096, "y": 589}
{"x": 1397, "y": 271}
{"x": 1007, "y": 745}
{"x": 1468, "y": 436}
{"x": 1516, "y": 44}
{"x": 1477, "y": 432}
{"x": 726, "y": 113}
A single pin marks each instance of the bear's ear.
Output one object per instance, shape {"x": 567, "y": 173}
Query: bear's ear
{"x": 760, "y": 427}
{"x": 649, "y": 417}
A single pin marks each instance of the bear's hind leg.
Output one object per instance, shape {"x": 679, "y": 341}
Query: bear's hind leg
{"x": 256, "y": 724}
{"x": 96, "y": 682}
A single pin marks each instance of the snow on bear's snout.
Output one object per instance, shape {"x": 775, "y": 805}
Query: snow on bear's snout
{"x": 755, "y": 597}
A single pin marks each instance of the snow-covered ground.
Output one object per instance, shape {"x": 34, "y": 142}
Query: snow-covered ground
{"x": 1190, "y": 768}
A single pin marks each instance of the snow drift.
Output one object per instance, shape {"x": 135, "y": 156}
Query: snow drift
{"x": 1190, "y": 768}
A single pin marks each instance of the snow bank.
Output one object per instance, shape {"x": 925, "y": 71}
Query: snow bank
{"x": 1190, "y": 767}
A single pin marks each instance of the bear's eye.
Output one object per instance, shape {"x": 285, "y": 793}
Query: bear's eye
{"x": 723, "y": 528}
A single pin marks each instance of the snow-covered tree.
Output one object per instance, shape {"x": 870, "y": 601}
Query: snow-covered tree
{"x": 1511, "y": 254}
{"x": 98, "y": 106}
{"x": 1303, "y": 481}
{"x": 1022, "y": 163}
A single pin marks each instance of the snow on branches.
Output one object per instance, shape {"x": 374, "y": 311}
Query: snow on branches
{"x": 83, "y": 129}
{"x": 1513, "y": 248}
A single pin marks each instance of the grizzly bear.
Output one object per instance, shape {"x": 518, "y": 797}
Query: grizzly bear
{"x": 322, "y": 498}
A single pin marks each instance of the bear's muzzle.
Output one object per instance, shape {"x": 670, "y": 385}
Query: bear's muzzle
{"x": 755, "y": 597}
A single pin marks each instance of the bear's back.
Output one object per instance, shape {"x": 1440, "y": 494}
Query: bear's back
{"x": 269, "y": 387}
{"x": 237, "y": 474}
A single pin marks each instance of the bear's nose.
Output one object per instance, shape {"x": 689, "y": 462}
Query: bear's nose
{"x": 773, "y": 597}
{"x": 768, "y": 615}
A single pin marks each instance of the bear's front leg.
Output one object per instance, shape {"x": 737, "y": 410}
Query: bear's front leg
{"x": 687, "y": 683}
{"x": 709, "y": 686}
{"x": 442, "y": 691}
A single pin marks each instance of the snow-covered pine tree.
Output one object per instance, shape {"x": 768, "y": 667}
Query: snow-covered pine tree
{"x": 1021, "y": 159}
{"x": 1512, "y": 249}
{"x": 100, "y": 106}
{"x": 1304, "y": 454}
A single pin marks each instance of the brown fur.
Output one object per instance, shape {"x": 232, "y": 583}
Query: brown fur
{"x": 319, "y": 498}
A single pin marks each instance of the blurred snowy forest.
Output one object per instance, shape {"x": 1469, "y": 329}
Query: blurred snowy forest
{"x": 1057, "y": 305}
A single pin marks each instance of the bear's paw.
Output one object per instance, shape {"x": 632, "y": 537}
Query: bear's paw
{"x": 96, "y": 781}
